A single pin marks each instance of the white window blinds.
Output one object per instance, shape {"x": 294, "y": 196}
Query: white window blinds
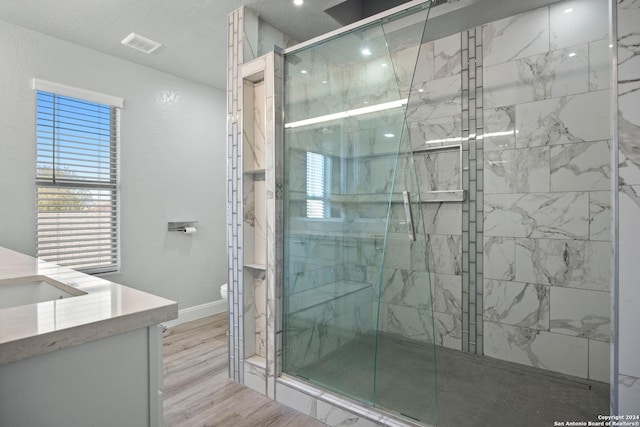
{"x": 317, "y": 186}
{"x": 77, "y": 182}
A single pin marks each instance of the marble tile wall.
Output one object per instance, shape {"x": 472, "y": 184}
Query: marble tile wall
{"x": 406, "y": 299}
{"x": 315, "y": 260}
{"x": 534, "y": 263}
{"x": 365, "y": 161}
{"x": 434, "y": 118}
{"x": 322, "y": 320}
{"x": 255, "y": 375}
{"x": 627, "y": 21}
{"x": 250, "y": 333}
{"x": 435, "y": 105}
{"x": 259, "y": 38}
{"x": 330, "y": 291}
{"x": 254, "y": 329}
{"x": 558, "y": 176}
{"x": 260, "y": 314}
{"x": 442, "y": 110}
{"x": 445, "y": 107}
{"x": 547, "y": 172}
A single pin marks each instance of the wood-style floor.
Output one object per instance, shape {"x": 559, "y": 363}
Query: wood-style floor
{"x": 197, "y": 391}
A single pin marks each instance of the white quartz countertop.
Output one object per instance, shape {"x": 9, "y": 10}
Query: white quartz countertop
{"x": 104, "y": 309}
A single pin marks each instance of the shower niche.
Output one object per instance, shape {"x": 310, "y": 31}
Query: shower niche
{"x": 254, "y": 220}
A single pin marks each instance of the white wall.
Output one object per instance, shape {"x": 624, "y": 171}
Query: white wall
{"x": 172, "y": 162}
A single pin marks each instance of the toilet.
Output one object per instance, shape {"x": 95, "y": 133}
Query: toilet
{"x": 224, "y": 292}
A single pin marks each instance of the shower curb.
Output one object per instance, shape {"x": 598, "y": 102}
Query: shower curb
{"x": 342, "y": 403}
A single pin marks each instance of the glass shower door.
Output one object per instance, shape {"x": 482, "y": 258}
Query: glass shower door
{"x": 357, "y": 300}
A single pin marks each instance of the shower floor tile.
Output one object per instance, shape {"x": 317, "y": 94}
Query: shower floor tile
{"x": 404, "y": 375}
{"x": 472, "y": 390}
{"x": 480, "y": 391}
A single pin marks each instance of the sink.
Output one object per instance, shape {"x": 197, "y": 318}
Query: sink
{"x": 33, "y": 289}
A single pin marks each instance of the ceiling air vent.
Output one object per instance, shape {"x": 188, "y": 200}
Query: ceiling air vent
{"x": 138, "y": 42}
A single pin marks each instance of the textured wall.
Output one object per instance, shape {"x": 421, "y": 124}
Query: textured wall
{"x": 170, "y": 158}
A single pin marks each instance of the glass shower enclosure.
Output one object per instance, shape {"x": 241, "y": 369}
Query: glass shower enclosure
{"x": 357, "y": 300}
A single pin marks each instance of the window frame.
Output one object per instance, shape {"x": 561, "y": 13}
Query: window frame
{"x": 103, "y": 190}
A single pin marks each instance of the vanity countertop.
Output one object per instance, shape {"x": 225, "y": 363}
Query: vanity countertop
{"x": 105, "y": 310}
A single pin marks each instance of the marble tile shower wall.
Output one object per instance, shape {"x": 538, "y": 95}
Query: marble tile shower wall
{"x": 329, "y": 88}
{"x": 259, "y": 38}
{"x": 248, "y": 38}
{"x": 547, "y": 193}
{"x": 434, "y": 117}
{"x": 330, "y": 297}
{"x": 563, "y": 273}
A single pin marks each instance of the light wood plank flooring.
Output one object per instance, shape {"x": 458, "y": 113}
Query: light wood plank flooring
{"x": 197, "y": 391}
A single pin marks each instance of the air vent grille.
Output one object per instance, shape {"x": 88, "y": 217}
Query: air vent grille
{"x": 138, "y": 42}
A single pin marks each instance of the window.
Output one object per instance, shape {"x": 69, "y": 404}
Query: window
{"x": 318, "y": 173}
{"x": 77, "y": 182}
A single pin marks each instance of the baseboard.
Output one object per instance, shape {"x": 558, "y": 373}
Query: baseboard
{"x": 197, "y": 312}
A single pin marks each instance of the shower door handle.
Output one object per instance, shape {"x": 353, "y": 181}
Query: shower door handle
{"x": 408, "y": 214}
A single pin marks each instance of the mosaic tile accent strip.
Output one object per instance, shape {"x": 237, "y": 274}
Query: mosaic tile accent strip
{"x": 234, "y": 193}
{"x": 473, "y": 184}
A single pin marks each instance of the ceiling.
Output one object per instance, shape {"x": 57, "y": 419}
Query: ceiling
{"x": 193, "y": 32}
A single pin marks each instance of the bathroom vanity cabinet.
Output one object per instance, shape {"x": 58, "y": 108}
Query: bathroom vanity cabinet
{"x": 114, "y": 381}
{"x": 91, "y": 359}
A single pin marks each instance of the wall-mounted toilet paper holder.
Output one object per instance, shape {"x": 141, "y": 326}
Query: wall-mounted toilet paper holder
{"x": 182, "y": 226}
